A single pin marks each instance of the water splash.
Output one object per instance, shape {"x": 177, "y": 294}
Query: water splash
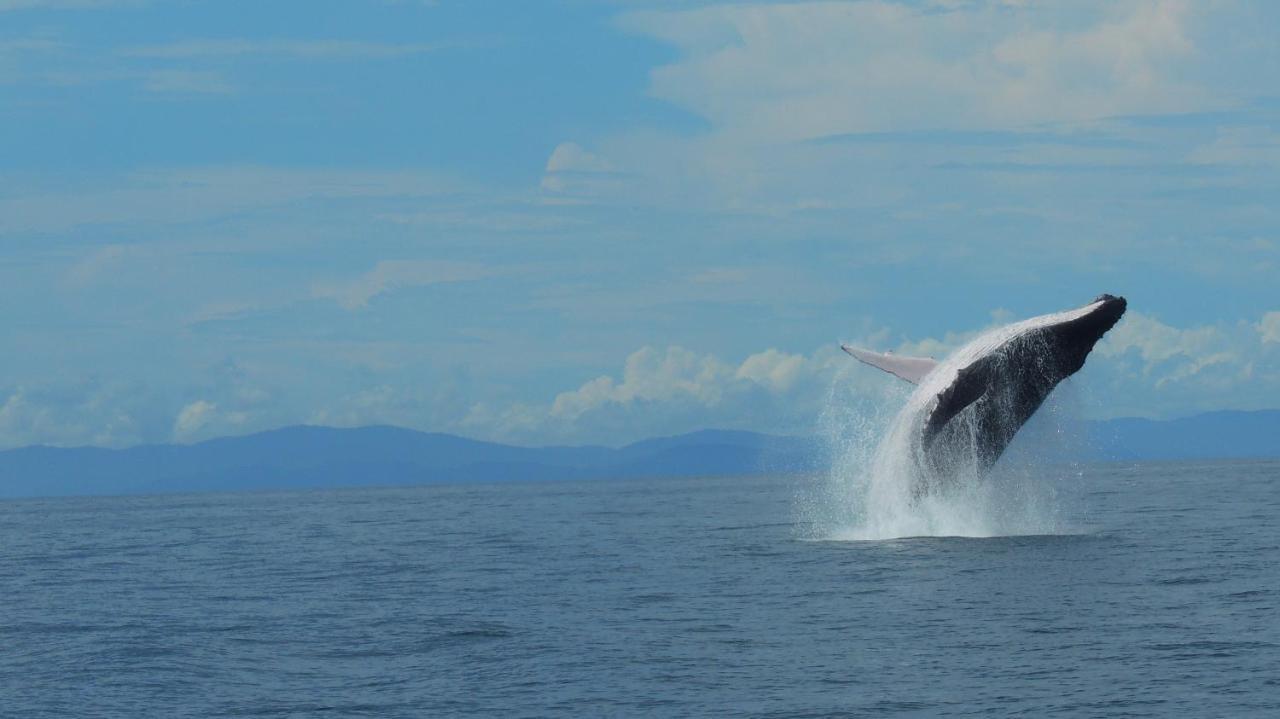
{"x": 871, "y": 491}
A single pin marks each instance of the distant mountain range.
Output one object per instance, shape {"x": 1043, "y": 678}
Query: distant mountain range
{"x": 312, "y": 457}
{"x": 307, "y": 456}
{"x": 1212, "y": 435}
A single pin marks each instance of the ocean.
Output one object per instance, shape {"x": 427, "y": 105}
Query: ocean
{"x": 1156, "y": 594}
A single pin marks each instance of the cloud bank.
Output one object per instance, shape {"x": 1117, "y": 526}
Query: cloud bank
{"x": 1144, "y": 367}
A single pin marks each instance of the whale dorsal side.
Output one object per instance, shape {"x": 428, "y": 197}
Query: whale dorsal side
{"x": 912, "y": 369}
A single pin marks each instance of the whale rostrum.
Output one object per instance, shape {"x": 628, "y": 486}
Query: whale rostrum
{"x": 967, "y": 408}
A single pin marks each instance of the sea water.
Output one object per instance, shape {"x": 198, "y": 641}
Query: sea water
{"x": 1156, "y": 595}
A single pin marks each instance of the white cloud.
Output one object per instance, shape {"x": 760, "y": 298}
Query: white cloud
{"x": 389, "y": 275}
{"x": 650, "y": 375}
{"x": 1157, "y": 342}
{"x": 192, "y": 418}
{"x": 383, "y": 404}
{"x": 778, "y": 371}
{"x": 944, "y": 114}
{"x": 672, "y": 390}
{"x": 433, "y": 406}
{"x": 572, "y": 170}
{"x": 1269, "y": 327}
{"x": 104, "y": 414}
{"x": 570, "y": 157}
{"x": 1150, "y": 368}
{"x": 788, "y": 71}
{"x": 1143, "y": 367}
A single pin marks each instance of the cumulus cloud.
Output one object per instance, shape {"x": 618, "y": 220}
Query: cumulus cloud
{"x": 573, "y": 170}
{"x": 653, "y": 376}
{"x": 1151, "y": 368}
{"x": 674, "y": 389}
{"x": 440, "y": 405}
{"x": 215, "y": 400}
{"x": 1143, "y": 367}
{"x": 1269, "y": 327}
{"x": 1157, "y": 342}
{"x": 570, "y": 157}
{"x": 192, "y": 418}
{"x": 777, "y": 371}
{"x": 89, "y": 412}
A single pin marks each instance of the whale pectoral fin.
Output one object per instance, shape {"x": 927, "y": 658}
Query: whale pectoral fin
{"x": 970, "y": 384}
{"x": 912, "y": 369}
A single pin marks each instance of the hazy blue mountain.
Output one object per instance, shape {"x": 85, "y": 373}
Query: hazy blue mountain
{"x": 1204, "y": 436}
{"x": 305, "y": 456}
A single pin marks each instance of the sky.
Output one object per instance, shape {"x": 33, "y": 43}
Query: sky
{"x": 599, "y": 221}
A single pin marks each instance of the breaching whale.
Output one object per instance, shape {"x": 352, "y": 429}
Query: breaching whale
{"x": 967, "y": 408}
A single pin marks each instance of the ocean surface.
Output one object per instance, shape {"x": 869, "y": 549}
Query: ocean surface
{"x": 1157, "y": 595}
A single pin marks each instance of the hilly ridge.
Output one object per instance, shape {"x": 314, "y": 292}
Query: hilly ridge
{"x": 312, "y": 457}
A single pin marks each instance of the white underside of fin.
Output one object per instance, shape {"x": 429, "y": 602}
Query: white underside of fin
{"x": 912, "y": 369}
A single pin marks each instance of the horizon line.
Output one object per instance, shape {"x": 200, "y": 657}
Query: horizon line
{"x": 307, "y": 425}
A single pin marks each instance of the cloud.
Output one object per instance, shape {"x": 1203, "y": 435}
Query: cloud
{"x": 1143, "y": 367}
{"x": 67, "y": 4}
{"x": 1150, "y": 368}
{"x": 192, "y": 418}
{"x": 89, "y": 412}
{"x": 779, "y": 372}
{"x": 1248, "y": 146}
{"x": 199, "y": 193}
{"x": 672, "y": 390}
{"x": 295, "y": 49}
{"x": 29, "y": 44}
{"x": 190, "y": 82}
{"x": 1157, "y": 342}
{"x": 572, "y": 170}
{"x": 102, "y": 261}
{"x": 1269, "y": 327}
{"x": 570, "y": 157}
{"x": 389, "y": 275}
{"x": 946, "y": 115}
{"x": 650, "y": 375}
{"x": 790, "y": 71}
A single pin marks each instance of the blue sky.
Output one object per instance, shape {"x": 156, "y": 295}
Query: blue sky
{"x": 600, "y": 221}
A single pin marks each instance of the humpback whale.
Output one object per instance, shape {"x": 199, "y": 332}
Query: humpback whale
{"x": 966, "y": 409}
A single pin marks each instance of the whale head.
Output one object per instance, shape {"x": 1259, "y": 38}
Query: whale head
{"x": 1099, "y": 316}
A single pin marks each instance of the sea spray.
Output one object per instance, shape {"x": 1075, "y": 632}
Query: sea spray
{"x": 872, "y": 488}
{"x": 933, "y": 469}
